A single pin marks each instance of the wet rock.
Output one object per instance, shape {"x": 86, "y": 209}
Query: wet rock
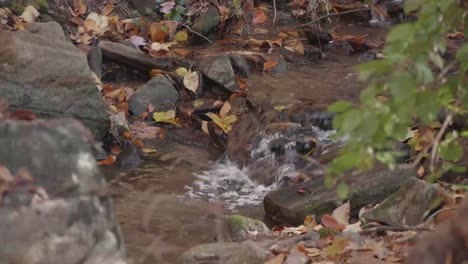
{"x": 230, "y": 253}
{"x": 159, "y": 92}
{"x": 129, "y": 158}
{"x": 219, "y": 70}
{"x": 207, "y": 21}
{"x": 242, "y": 227}
{"x": 405, "y": 207}
{"x": 293, "y": 57}
{"x": 317, "y": 38}
{"x": 132, "y": 57}
{"x": 95, "y": 60}
{"x": 281, "y": 67}
{"x": 61, "y": 213}
{"x": 312, "y": 53}
{"x": 292, "y": 206}
{"x": 393, "y": 10}
{"x": 36, "y": 74}
{"x": 241, "y": 65}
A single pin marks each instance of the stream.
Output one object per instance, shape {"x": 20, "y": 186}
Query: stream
{"x": 177, "y": 198}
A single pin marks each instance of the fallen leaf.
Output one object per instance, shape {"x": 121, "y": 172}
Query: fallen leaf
{"x": 259, "y": 17}
{"x": 277, "y": 260}
{"x": 107, "y": 10}
{"x": 198, "y": 103}
{"x": 79, "y": 7}
{"x": 182, "y": 52}
{"x": 295, "y": 45}
{"x": 192, "y": 81}
{"x": 181, "y": 71}
{"x": 353, "y": 228}
{"x": 144, "y": 131}
{"x": 329, "y": 221}
{"x": 337, "y": 247}
{"x": 205, "y": 127}
{"x": 148, "y": 150}
{"x": 108, "y": 161}
{"x": 116, "y": 150}
{"x": 30, "y": 14}
{"x": 181, "y": 36}
{"x": 341, "y": 214}
{"x": 421, "y": 172}
{"x": 313, "y": 252}
{"x": 22, "y": 114}
{"x": 224, "y": 123}
{"x": 138, "y": 41}
{"x": 144, "y": 115}
{"x": 138, "y": 142}
{"x": 166, "y": 7}
{"x": 279, "y": 107}
{"x": 267, "y": 66}
{"x": 301, "y": 191}
{"x": 309, "y": 221}
{"x": 127, "y": 135}
{"x": 166, "y": 117}
{"x": 225, "y": 110}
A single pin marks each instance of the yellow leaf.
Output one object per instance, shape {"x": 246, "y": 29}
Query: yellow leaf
{"x": 279, "y": 107}
{"x": 181, "y": 71}
{"x": 166, "y": 117}
{"x": 198, "y": 102}
{"x": 224, "y": 123}
{"x": 181, "y": 36}
{"x": 148, "y": 150}
{"x": 204, "y": 126}
{"x": 30, "y": 14}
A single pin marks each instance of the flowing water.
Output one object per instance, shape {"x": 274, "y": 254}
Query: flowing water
{"x": 177, "y": 198}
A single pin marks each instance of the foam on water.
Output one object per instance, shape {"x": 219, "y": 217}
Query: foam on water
{"x": 227, "y": 183}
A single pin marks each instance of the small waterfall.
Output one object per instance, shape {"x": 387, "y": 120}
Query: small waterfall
{"x": 226, "y": 182}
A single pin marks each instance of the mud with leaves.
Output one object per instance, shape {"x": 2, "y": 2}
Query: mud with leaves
{"x": 225, "y": 130}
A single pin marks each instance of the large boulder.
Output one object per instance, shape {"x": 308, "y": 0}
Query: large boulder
{"x": 159, "y": 92}
{"x": 54, "y": 208}
{"x": 49, "y": 76}
{"x": 406, "y": 207}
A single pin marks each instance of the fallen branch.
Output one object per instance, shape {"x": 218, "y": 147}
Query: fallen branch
{"x": 334, "y": 14}
{"x": 195, "y": 32}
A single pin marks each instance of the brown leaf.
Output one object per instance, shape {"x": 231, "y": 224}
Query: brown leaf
{"x": 116, "y": 150}
{"x": 259, "y": 17}
{"x": 328, "y": 221}
{"x": 79, "y": 7}
{"x": 341, "y": 214}
{"x": 108, "y": 161}
{"x": 182, "y": 52}
{"x": 127, "y": 135}
{"x": 225, "y": 110}
{"x": 22, "y": 114}
{"x": 267, "y": 66}
{"x": 107, "y": 10}
{"x": 139, "y": 143}
{"x": 144, "y": 115}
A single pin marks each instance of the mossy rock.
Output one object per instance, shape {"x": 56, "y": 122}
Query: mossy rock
{"x": 242, "y": 227}
{"x": 17, "y": 9}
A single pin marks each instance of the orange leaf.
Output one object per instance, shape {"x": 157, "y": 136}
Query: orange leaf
{"x": 107, "y": 10}
{"x": 80, "y": 7}
{"x": 242, "y": 83}
{"x": 144, "y": 115}
{"x": 108, "y": 161}
{"x": 127, "y": 135}
{"x": 139, "y": 142}
{"x": 116, "y": 150}
{"x": 122, "y": 95}
{"x": 155, "y": 72}
{"x": 182, "y": 52}
{"x": 259, "y": 17}
{"x": 328, "y": 221}
{"x": 270, "y": 65}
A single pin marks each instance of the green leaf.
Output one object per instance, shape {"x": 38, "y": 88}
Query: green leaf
{"x": 342, "y": 190}
{"x": 340, "y": 106}
{"x": 451, "y": 150}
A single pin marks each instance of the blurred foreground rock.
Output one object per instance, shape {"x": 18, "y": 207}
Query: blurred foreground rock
{"x": 54, "y": 207}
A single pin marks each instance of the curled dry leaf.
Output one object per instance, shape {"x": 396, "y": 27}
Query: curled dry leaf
{"x": 269, "y": 65}
{"x": 30, "y": 14}
{"x": 329, "y": 221}
{"x": 107, "y": 10}
{"x": 79, "y": 7}
{"x": 341, "y": 214}
{"x": 259, "y": 17}
{"x": 108, "y": 161}
{"x": 192, "y": 81}
{"x": 225, "y": 110}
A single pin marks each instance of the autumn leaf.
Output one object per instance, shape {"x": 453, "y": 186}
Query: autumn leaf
{"x": 192, "y": 81}
{"x": 225, "y": 110}
{"x": 116, "y": 150}
{"x": 329, "y": 221}
{"x": 267, "y": 66}
{"x": 341, "y": 214}
{"x": 337, "y": 247}
{"x": 107, "y": 10}
{"x": 30, "y": 14}
{"x": 224, "y": 123}
{"x": 79, "y": 7}
{"x": 166, "y": 7}
{"x": 181, "y": 36}
{"x": 166, "y": 117}
{"x": 259, "y": 17}
{"x": 138, "y": 142}
{"x": 148, "y": 150}
{"x": 108, "y": 161}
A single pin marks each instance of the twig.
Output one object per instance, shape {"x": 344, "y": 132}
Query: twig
{"x": 421, "y": 155}
{"x": 379, "y": 229}
{"x": 334, "y": 14}
{"x": 442, "y": 130}
{"x": 196, "y": 33}
{"x": 274, "y": 9}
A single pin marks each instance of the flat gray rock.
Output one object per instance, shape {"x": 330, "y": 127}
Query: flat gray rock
{"x": 219, "y": 70}
{"x": 159, "y": 92}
